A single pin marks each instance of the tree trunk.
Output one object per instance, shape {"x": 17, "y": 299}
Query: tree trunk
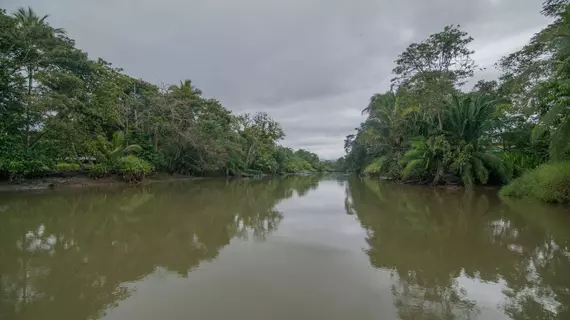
{"x": 28, "y": 105}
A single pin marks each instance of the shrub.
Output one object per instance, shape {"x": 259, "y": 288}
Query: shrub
{"x": 376, "y": 167}
{"x": 151, "y": 154}
{"x": 548, "y": 182}
{"x": 67, "y": 167}
{"x": 19, "y": 169}
{"x": 134, "y": 169}
{"x": 97, "y": 171}
{"x": 518, "y": 162}
{"x": 110, "y": 151}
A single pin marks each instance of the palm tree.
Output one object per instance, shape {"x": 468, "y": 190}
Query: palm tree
{"x": 468, "y": 118}
{"x": 185, "y": 91}
{"x": 378, "y": 132}
{"x": 383, "y": 113}
{"x": 34, "y": 33}
{"x": 188, "y": 103}
{"x": 388, "y": 129}
{"x": 462, "y": 148}
{"x": 475, "y": 165}
{"x": 27, "y": 18}
{"x": 427, "y": 159}
{"x": 467, "y": 121}
{"x": 381, "y": 104}
{"x": 111, "y": 151}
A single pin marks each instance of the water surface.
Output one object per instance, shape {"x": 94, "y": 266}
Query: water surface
{"x": 288, "y": 248}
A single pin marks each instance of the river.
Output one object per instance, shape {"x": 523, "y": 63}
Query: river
{"x": 335, "y": 247}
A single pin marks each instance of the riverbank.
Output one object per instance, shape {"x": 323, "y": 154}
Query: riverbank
{"x": 83, "y": 180}
{"x": 549, "y": 182}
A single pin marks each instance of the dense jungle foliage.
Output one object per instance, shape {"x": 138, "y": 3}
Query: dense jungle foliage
{"x": 429, "y": 129}
{"x": 61, "y": 111}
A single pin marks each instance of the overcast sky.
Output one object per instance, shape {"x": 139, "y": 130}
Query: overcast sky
{"x": 311, "y": 64}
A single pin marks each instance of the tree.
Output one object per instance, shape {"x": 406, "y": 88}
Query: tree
{"x": 56, "y": 104}
{"x": 444, "y": 54}
{"x": 428, "y": 72}
{"x": 427, "y": 160}
{"x": 260, "y": 134}
{"x": 111, "y": 151}
{"x": 468, "y": 118}
{"x": 38, "y": 39}
{"x": 555, "y": 93}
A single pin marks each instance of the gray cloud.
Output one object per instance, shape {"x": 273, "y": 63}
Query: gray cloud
{"x": 312, "y": 65}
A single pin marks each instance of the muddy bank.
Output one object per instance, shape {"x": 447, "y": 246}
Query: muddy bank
{"x": 81, "y": 180}
{"x": 46, "y": 183}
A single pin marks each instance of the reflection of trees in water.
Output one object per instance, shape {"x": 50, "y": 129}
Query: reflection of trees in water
{"x": 68, "y": 254}
{"x": 540, "y": 289}
{"x": 430, "y": 237}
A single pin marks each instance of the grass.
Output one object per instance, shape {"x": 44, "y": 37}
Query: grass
{"x": 549, "y": 182}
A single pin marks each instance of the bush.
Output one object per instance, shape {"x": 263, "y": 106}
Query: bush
{"x": 97, "y": 171}
{"x": 67, "y": 167}
{"x": 376, "y": 167}
{"x": 519, "y": 163}
{"x": 151, "y": 154}
{"x": 549, "y": 183}
{"x": 17, "y": 170}
{"x": 134, "y": 169}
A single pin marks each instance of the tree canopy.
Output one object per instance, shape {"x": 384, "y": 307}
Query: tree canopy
{"x": 428, "y": 128}
{"x": 58, "y": 106}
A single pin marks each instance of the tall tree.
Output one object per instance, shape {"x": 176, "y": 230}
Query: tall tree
{"x": 429, "y": 72}
{"x": 37, "y": 38}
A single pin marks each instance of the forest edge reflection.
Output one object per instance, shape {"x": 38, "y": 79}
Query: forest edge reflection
{"x": 427, "y": 238}
{"x": 83, "y": 237}
{"x": 431, "y": 237}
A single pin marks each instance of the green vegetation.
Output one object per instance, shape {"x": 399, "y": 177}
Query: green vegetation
{"x": 57, "y": 106}
{"x": 429, "y": 129}
{"x": 549, "y": 182}
{"x": 16, "y": 170}
{"x": 134, "y": 169}
{"x": 109, "y": 151}
{"x": 97, "y": 171}
{"x": 67, "y": 167}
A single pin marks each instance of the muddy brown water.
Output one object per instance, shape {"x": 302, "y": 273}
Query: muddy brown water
{"x": 335, "y": 247}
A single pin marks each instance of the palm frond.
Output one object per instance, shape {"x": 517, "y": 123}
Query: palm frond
{"x": 466, "y": 173}
{"x": 412, "y": 155}
{"x": 496, "y": 164}
{"x": 133, "y": 148}
{"x": 115, "y": 154}
{"x": 118, "y": 139}
{"x": 560, "y": 141}
{"x": 467, "y": 117}
{"x": 411, "y": 166}
{"x": 418, "y": 142}
{"x": 481, "y": 173}
{"x": 59, "y": 31}
{"x": 490, "y": 160}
